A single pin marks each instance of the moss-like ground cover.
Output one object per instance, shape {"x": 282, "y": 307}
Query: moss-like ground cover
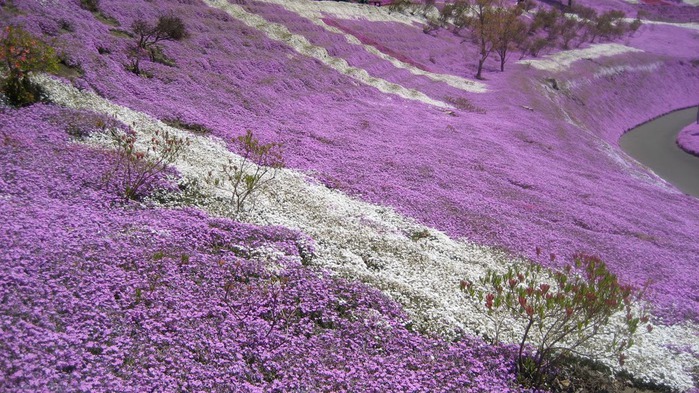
{"x": 97, "y": 295}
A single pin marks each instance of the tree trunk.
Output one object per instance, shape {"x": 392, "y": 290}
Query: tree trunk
{"x": 480, "y": 68}
{"x": 502, "y": 63}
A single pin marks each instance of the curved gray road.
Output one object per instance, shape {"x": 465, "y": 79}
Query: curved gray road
{"x": 654, "y": 145}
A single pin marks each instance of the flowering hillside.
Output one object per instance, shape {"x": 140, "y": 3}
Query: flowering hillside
{"x": 404, "y": 176}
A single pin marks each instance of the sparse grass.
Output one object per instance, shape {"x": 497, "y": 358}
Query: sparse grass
{"x": 464, "y": 104}
{"x": 193, "y": 127}
{"x": 121, "y": 33}
{"x": 107, "y": 20}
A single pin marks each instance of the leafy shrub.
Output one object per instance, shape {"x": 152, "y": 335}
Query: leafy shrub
{"x": 560, "y": 311}
{"x": 21, "y": 54}
{"x": 148, "y": 35}
{"x": 401, "y": 5}
{"x": 168, "y": 28}
{"x": 258, "y": 166}
{"x": 609, "y": 25}
{"x": 90, "y": 5}
{"x": 544, "y": 19}
{"x": 135, "y": 172}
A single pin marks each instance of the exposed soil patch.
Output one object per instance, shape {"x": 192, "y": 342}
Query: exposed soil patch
{"x": 587, "y": 377}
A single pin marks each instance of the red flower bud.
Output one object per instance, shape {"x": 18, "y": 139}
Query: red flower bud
{"x": 529, "y": 310}
{"x": 489, "y": 300}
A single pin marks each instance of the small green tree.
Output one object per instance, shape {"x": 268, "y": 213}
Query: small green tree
{"x": 484, "y": 27}
{"x": 21, "y": 54}
{"x": 609, "y": 25}
{"x": 168, "y": 28}
{"x": 493, "y": 26}
{"x": 510, "y": 32}
{"x": 560, "y": 311}
{"x": 245, "y": 178}
{"x": 544, "y": 19}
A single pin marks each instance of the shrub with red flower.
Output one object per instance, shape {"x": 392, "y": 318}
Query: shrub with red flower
{"x": 20, "y": 55}
{"x": 560, "y": 311}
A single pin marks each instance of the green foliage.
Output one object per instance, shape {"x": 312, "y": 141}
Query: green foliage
{"x": 635, "y": 25}
{"x": 492, "y": 25}
{"x": 419, "y": 235}
{"x": 610, "y": 25}
{"x": 455, "y": 13}
{"x": 400, "y": 5}
{"x": 496, "y": 26}
{"x": 245, "y": 178}
{"x": 510, "y": 31}
{"x": 544, "y": 19}
{"x": 168, "y": 28}
{"x": 193, "y": 127}
{"x": 559, "y": 311}
{"x": 90, "y": 5}
{"x": 134, "y": 171}
{"x": 21, "y": 54}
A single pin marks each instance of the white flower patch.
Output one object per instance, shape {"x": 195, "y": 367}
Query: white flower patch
{"x": 620, "y": 69}
{"x": 562, "y": 60}
{"x": 314, "y": 13}
{"x": 346, "y": 10}
{"x": 686, "y": 25}
{"x": 419, "y": 267}
{"x": 610, "y": 71}
{"x": 299, "y": 43}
